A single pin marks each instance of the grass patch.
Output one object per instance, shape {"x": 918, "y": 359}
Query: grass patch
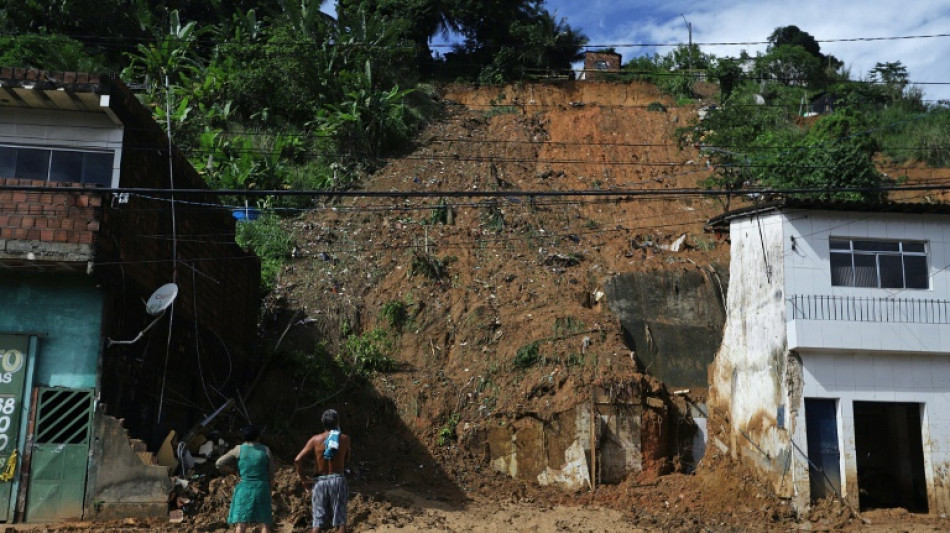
{"x": 566, "y": 326}
{"x": 429, "y": 266}
{"x": 396, "y": 314}
{"x": 368, "y": 353}
{"x": 269, "y": 241}
{"x": 528, "y": 355}
{"x": 502, "y": 110}
{"x": 448, "y": 432}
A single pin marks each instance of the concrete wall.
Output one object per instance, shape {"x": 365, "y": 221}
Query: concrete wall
{"x": 65, "y": 311}
{"x": 120, "y": 485}
{"x": 672, "y": 320}
{"x": 807, "y": 272}
{"x": 748, "y": 378}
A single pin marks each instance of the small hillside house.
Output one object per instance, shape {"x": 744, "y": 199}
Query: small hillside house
{"x": 79, "y": 257}
{"x": 596, "y": 64}
{"x": 834, "y": 370}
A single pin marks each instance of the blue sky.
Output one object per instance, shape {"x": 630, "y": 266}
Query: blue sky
{"x": 608, "y": 22}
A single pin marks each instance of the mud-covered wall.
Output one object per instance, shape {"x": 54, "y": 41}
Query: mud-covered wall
{"x": 672, "y": 320}
{"x": 626, "y": 426}
{"x": 748, "y": 381}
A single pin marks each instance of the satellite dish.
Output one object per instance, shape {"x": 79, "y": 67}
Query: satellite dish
{"x": 161, "y": 299}
{"x": 157, "y": 304}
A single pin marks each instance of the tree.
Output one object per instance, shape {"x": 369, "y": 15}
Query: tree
{"x": 893, "y": 77}
{"x": 836, "y": 153}
{"x": 422, "y": 19}
{"x": 794, "y": 57}
{"x": 728, "y": 72}
{"x": 49, "y": 52}
{"x": 792, "y": 35}
{"x": 790, "y": 65}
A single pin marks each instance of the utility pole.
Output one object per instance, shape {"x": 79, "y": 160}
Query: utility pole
{"x": 689, "y": 28}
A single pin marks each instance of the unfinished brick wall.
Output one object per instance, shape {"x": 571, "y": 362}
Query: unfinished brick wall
{"x": 49, "y": 217}
{"x": 594, "y": 63}
{"x": 215, "y": 314}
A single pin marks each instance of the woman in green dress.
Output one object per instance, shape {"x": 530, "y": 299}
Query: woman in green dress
{"x": 254, "y": 464}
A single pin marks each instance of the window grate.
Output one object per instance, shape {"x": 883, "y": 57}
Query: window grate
{"x": 63, "y": 416}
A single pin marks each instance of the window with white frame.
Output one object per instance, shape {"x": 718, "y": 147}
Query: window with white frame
{"x": 879, "y": 263}
{"x": 57, "y": 165}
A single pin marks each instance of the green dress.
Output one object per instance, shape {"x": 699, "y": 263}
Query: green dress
{"x": 251, "y": 502}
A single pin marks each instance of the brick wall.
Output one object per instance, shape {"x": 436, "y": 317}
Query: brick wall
{"x": 215, "y": 314}
{"x": 590, "y": 61}
{"x": 49, "y": 217}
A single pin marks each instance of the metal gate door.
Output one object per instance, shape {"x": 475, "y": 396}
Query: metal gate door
{"x": 60, "y": 454}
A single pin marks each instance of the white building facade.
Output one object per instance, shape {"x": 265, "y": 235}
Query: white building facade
{"x": 834, "y": 371}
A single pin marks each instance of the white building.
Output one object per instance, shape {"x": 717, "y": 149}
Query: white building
{"x": 834, "y": 371}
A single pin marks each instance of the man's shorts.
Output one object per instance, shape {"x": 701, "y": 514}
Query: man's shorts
{"x": 330, "y": 494}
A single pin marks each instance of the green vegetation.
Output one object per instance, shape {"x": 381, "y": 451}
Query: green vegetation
{"x": 448, "y": 431}
{"x": 528, "y": 356}
{"x": 269, "y": 241}
{"x": 368, "y": 353}
{"x": 567, "y": 326}
{"x": 396, "y": 313}
{"x": 755, "y": 138}
{"x": 502, "y": 110}
{"x": 429, "y": 266}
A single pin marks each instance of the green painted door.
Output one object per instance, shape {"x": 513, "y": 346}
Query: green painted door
{"x": 60, "y": 454}
{"x": 14, "y": 353}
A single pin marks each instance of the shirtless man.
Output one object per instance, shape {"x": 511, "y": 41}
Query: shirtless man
{"x": 330, "y": 490}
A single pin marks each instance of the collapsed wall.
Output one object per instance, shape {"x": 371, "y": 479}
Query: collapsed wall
{"x": 627, "y": 425}
{"x": 121, "y": 483}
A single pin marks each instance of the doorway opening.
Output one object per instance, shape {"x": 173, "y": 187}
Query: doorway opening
{"x": 824, "y": 456}
{"x": 890, "y": 456}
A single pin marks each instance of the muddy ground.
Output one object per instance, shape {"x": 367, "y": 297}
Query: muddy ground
{"x": 481, "y": 278}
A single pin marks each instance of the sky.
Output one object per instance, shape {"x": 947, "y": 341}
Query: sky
{"x": 625, "y": 22}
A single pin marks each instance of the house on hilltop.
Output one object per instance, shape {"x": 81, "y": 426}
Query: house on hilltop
{"x": 78, "y": 259}
{"x": 834, "y": 372}
{"x": 596, "y": 64}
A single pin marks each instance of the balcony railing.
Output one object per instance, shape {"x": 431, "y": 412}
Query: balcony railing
{"x": 883, "y": 310}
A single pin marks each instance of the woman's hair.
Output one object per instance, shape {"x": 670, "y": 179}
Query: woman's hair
{"x": 251, "y": 433}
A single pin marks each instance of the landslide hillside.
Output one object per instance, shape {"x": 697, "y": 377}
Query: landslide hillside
{"x": 487, "y": 284}
{"x": 491, "y": 308}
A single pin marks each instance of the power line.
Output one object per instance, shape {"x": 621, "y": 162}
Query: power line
{"x": 474, "y": 193}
